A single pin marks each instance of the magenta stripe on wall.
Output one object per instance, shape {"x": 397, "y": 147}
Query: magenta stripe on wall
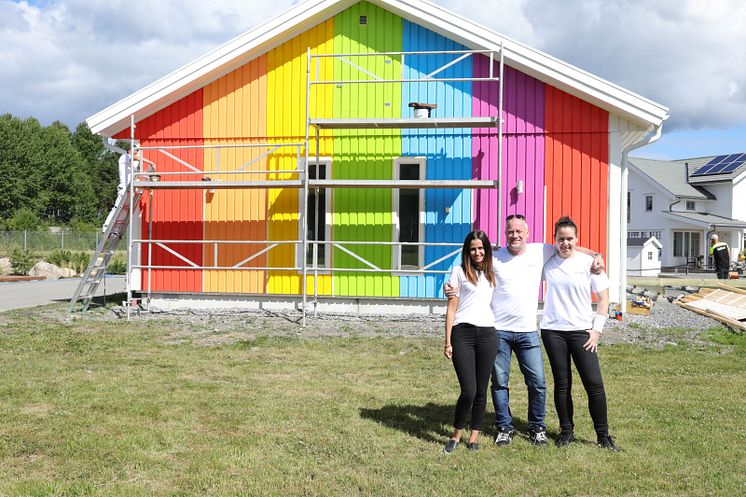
{"x": 523, "y": 150}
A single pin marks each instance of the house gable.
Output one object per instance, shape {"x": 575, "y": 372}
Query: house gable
{"x": 303, "y": 16}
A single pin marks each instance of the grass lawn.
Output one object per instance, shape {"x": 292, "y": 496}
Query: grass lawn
{"x": 106, "y": 407}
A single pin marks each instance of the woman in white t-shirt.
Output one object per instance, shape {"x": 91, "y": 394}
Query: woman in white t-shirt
{"x": 471, "y": 340}
{"x": 570, "y": 330}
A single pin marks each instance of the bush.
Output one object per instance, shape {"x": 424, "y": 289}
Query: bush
{"x": 60, "y": 258}
{"x": 24, "y": 219}
{"x": 117, "y": 265}
{"x": 80, "y": 226}
{"x": 21, "y": 262}
{"x": 79, "y": 261}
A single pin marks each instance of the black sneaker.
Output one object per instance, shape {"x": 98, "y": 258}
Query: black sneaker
{"x": 450, "y": 446}
{"x": 473, "y": 447}
{"x": 537, "y": 437}
{"x": 565, "y": 439}
{"x": 606, "y": 442}
{"x": 504, "y": 437}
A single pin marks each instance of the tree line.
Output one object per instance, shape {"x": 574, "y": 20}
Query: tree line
{"x": 50, "y": 175}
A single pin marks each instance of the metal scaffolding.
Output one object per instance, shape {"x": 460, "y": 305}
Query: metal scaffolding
{"x": 148, "y": 181}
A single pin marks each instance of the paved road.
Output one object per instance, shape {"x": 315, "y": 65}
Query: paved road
{"x": 33, "y": 293}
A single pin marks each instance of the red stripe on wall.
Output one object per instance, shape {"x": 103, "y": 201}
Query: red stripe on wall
{"x": 577, "y": 167}
{"x": 177, "y": 214}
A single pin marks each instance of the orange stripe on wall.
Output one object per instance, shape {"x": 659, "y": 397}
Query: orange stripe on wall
{"x": 577, "y": 167}
{"x": 235, "y": 113}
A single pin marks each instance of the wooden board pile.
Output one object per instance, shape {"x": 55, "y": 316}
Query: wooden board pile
{"x": 727, "y": 304}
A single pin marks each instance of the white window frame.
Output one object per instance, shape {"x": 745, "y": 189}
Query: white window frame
{"x": 693, "y": 205}
{"x": 684, "y": 244}
{"x": 650, "y": 196}
{"x": 327, "y": 163}
{"x": 396, "y": 252}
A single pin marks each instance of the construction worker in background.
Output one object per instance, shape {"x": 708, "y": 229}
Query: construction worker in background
{"x": 124, "y": 176}
{"x": 720, "y": 256}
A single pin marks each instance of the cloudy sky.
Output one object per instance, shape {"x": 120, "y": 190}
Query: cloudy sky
{"x": 67, "y": 59}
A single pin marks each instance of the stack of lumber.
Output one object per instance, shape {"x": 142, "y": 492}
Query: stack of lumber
{"x": 727, "y": 304}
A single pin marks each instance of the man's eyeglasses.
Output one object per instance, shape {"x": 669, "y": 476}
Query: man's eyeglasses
{"x": 516, "y": 216}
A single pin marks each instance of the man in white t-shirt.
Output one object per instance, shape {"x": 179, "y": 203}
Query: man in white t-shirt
{"x": 515, "y": 302}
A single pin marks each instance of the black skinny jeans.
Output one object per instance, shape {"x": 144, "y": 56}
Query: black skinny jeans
{"x": 474, "y": 351}
{"x": 560, "y": 347}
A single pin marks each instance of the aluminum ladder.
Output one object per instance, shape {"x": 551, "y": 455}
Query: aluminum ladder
{"x": 96, "y": 270}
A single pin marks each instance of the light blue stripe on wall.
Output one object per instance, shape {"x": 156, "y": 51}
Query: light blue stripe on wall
{"x": 448, "y": 151}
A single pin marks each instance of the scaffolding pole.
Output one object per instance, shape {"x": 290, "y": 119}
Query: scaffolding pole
{"x": 132, "y": 209}
{"x": 304, "y": 207}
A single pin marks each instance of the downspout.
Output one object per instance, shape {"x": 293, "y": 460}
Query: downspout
{"x": 112, "y": 148}
{"x": 651, "y": 136}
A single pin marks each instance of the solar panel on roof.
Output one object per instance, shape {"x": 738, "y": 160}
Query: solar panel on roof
{"x": 704, "y": 169}
{"x": 732, "y": 166}
{"x": 722, "y": 164}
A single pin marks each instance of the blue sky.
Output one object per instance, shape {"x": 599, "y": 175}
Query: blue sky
{"x": 68, "y": 59}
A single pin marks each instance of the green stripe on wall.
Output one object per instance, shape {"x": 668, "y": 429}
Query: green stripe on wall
{"x": 365, "y": 214}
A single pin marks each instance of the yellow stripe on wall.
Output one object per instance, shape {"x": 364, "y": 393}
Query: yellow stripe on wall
{"x": 286, "y": 113}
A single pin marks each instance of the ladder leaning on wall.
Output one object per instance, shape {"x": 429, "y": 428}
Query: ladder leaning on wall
{"x": 96, "y": 270}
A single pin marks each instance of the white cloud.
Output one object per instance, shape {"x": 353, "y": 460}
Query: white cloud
{"x": 68, "y": 59}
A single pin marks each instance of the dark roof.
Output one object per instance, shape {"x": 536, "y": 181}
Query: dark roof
{"x": 671, "y": 175}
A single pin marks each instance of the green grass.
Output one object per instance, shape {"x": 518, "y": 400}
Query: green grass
{"x": 115, "y": 408}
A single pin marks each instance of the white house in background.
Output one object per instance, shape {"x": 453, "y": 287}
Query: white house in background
{"x": 643, "y": 256}
{"x": 682, "y": 202}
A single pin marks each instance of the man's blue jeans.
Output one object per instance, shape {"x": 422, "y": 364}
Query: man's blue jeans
{"x": 527, "y": 348}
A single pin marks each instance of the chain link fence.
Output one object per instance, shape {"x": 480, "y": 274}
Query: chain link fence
{"x": 44, "y": 242}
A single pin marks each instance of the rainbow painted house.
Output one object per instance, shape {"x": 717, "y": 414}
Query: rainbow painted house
{"x": 293, "y": 150}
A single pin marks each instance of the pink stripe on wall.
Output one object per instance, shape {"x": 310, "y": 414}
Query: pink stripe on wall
{"x": 523, "y": 150}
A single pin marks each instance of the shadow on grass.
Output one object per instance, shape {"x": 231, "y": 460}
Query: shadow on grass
{"x": 429, "y": 422}
{"x": 102, "y": 300}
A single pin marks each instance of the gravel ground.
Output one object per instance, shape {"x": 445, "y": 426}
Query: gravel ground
{"x": 668, "y": 324}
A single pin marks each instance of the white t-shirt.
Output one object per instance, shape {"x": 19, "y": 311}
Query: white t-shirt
{"x": 474, "y": 300}
{"x": 516, "y": 296}
{"x": 567, "y": 303}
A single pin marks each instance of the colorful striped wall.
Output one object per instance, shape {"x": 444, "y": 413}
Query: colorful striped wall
{"x": 554, "y": 143}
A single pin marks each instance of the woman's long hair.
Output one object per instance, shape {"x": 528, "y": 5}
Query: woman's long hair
{"x": 470, "y": 270}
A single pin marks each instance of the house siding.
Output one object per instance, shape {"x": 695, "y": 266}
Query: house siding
{"x": 556, "y": 144}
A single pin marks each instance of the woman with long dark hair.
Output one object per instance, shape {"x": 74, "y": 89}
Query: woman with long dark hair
{"x": 471, "y": 341}
{"x": 570, "y": 331}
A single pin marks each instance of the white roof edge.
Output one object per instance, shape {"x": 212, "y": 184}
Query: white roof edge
{"x": 649, "y": 180}
{"x": 244, "y": 47}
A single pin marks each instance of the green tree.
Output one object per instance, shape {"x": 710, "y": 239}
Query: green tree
{"x": 100, "y": 165}
{"x": 23, "y": 219}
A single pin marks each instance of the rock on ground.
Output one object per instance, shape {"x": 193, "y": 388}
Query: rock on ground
{"x": 68, "y": 272}
{"x": 47, "y": 270}
{"x": 5, "y": 266}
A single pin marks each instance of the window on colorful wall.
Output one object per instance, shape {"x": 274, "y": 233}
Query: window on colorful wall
{"x": 409, "y": 215}
{"x": 318, "y": 207}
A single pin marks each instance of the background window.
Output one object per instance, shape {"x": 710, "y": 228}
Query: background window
{"x": 686, "y": 244}
{"x": 629, "y": 206}
{"x": 648, "y": 202}
{"x": 690, "y": 205}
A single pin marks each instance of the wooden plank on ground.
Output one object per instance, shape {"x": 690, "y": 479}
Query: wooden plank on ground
{"x": 11, "y": 279}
